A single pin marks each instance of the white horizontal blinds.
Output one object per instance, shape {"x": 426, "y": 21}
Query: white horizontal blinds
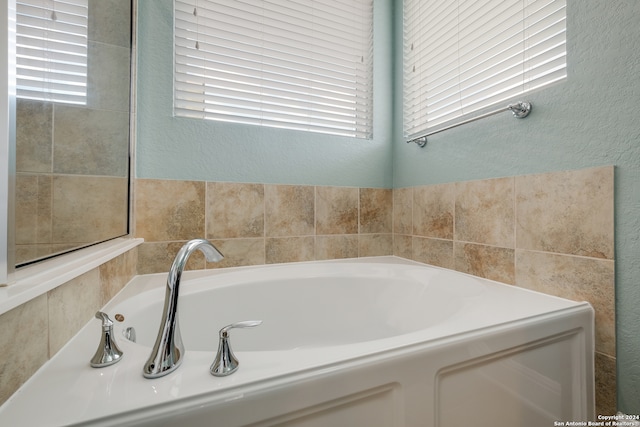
{"x": 51, "y": 50}
{"x": 464, "y": 56}
{"x": 295, "y": 64}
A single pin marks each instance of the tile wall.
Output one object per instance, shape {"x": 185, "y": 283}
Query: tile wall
{"x": 552, "y": 233}
{"x": 260, "y": 223}
{"x": 33, "y": 332}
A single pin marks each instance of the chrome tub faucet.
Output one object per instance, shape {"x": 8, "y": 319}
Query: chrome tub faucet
{"x": 168, "y": 350}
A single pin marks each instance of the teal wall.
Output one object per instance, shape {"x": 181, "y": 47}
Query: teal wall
{"x": 588, "y": 120}
{"x": 189, "y": 149}
{"x": 591, "y": 119}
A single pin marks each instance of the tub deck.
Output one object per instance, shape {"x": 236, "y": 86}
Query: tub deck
{"x": 513, "y": 358}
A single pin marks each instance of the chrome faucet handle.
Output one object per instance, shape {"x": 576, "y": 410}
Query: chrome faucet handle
{"x": 108, "y": 352}
{"x": 226, "y": 362}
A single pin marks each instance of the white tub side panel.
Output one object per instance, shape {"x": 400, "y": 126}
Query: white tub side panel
{"x": 529, "y": 386}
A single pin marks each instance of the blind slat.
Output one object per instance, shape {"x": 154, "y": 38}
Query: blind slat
{"x": 51, "y": 50}
{"x": 462, "y": 57}
{"x": 298, "y": 65}
{"x": 242, "y": 95}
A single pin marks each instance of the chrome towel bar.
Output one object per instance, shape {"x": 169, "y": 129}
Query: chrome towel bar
{"x": 520, "y": 110}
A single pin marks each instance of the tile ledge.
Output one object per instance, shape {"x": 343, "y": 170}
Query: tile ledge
{"x": 33, "y": 281}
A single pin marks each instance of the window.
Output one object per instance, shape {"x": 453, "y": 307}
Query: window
{"x": 51, "y": 50}
{"x": 298, "y": 64}
{"x": 462, "y": 57}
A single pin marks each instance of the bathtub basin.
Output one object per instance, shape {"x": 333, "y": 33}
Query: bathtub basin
{"x": 307, "y": 306}
{"x": 367, "y": 342}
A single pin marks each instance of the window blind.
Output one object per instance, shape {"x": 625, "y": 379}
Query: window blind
{"x": 51, "y": 50}
{"x": 462, "y": 57}
{"x": 298, "y": 64}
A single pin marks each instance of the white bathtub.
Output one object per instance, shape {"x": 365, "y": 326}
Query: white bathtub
{"x": 368, "y": 342}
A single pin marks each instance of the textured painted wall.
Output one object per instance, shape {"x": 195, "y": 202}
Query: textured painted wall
{"x": 588, "y": 120}
{"x": 179, "y": 148}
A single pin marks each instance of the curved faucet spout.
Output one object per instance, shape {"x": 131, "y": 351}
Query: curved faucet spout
{"x": 168, "y": 350}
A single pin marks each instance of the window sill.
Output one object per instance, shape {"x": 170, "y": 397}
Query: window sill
{"x": 33, "y": 281}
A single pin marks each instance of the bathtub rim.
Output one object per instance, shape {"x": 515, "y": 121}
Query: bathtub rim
{"x": 144, "y": 282}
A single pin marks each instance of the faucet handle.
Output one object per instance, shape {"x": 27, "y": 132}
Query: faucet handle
{"x": 244, "y": 324}
{"x": 226, "y": 362}
{"x": 106, "y": 321}
{"x": 108, "y": 352}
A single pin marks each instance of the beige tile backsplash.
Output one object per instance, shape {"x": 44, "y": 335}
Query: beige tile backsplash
{"x": 549, "y": 232}
{"x": 169, "y": 210}
{"x": 376, "y": 211}
{"x": 234, "y": 210}
{"x": 567, "y": 212}
{"x": 433, "y": 211}
{"x": 260, "y": 223}
{"x": 336, "y": 210}
{"x": 289, "y": 210}
{"x": 24, "y": 344}
{"x": 491, "y": 262}
{"x": 484, "y": 212}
